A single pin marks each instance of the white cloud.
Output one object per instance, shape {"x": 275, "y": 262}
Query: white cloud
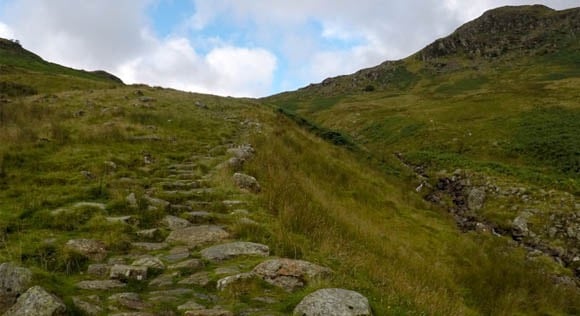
{"x": 5, "y": 31}
{"x": 224, "y": 70}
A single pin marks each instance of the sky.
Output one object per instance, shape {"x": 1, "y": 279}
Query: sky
{"x": 243, "y": 48}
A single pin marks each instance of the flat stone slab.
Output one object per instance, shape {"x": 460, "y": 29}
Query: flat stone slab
{"x": 235, "y": 249}
{"x": 100, "y": 285}
{"x": 197, "y": 235}
{"x": 289, "y": 274}
{"x": 336, "y": 302}
{"x": 209, "y": 312}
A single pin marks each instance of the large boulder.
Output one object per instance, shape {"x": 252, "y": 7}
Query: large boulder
{"x": 197, "y": 235}
{"x": 13, "y": 282}
{"x": 246, "y": 182}
{"x": 95, "y": 250}
{"x": 235, "y": 249}
{"x": 289, "y": 274}
{"x": 335, "y": 302}
{"x": 520, "y": 225}
{"x": 37, "y": 302}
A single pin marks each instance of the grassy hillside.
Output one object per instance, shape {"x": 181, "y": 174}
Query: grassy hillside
{"x": 73, "y": 151}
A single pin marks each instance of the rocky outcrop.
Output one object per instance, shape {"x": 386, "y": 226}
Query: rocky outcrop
{"x": 336, "y": 302}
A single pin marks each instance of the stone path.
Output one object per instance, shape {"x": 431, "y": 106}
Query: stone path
{"x": 188, "y": 262}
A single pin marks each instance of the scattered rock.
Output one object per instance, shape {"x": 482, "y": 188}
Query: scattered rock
{"x": 126, "y": 272}
{"x": 127, "y": 220}
{"x": 177, "y": 254}
{"x": 90, "y": 305}
{"x": 223, "y": 283}
{"x": 149, "y": 262}
{"x": 190, "y": 306}
{"x": 37, "y": 302}
{"x": 174, "y": 222}
{"x": 199, "y": 217}
{"x": 289, "y": 274}
{"x": 476, "y": 199}
{"x": 152, "y": 234}
{"x": 128, "y": 300}
{"x": 209, "y": 312}
{"x": 246, "y": 182}
{"x": 336, "y": 302}
{"x": 13, "y": 282}
{"x": 197, "y": 235}
{"x": 132, "y": 201}
{"x": 99, "y": 270}
{"x": 520, "y": 225}
{"x": 156, "y": 203}
{"x": 235, "y": 249}
{"x": 100, "y": 285}
{"x": 200, "y": 279}
{"x": 191, "y": 264}
{"x": 243, "y": 152}
{"x": 150, "y": 246}
{"x": 162, "y": 281}
{"x": 93, "y": 249}
{"x": 235, "y": 164}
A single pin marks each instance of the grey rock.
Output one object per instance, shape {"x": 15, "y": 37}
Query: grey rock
{"x": 235, "y": 249}
{"x": 93, "y": 249}
{"x": 99, "y": 269}
{"x": 476, "y": 199}
{"x": 152, "y": 234}
{"x": 90, "y": 305}
{"x": 235, "y": 164}
{"x": 180, "y": 185}
{"x": 209, "y": 312}
{"x": 172, "y": 293}
{"x": 149, "y": 262}
{"x": 191, "y": 264}
{"x": 132, "y": 201}
{"x": 162, "y": 281}
{"x": 199, "y": 217}
{"x": 150, "y": 246}
{"x": 174, "y": 222}
{"x": 14, "y": 281}
{"x": 243, "y": 152}
{"x": 37, "y": 302}
{"x": 520, "y": 225}
{"x": 335, "y": 302}
{"x": 100, "y": 285}
{"x": 177, "y": 254}
{"x": 155, "y": 202}
{"x": 127, "y": 220}
{"x": 190, "y": 306}
{"x": 126, "y": 272}
{"x": 246, "y": 182}
{"x": 223, "y": 283}
{"x": 133, "y": 314}
{"x": 200, "y": 279}
{"x": 128, "y": 300}
{"x": 197, "y": 235}
{"x": 289, "y": 274}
